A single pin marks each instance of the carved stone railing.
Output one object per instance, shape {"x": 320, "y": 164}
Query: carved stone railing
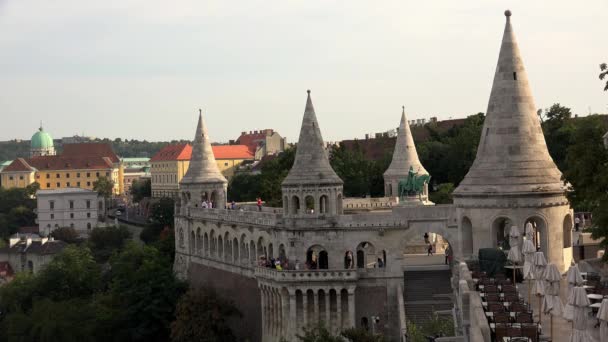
{"x": 306, "y": 275}
{"x": 236, "y": 216}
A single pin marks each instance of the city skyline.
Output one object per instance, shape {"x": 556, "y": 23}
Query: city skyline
{"x": 123, "y": 64}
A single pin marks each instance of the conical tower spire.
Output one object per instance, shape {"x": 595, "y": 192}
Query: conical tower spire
{"x": 203, "y": 167}
{"x": 512, "y": 155}
{"x": 311, "y": 165}
{"x": 405, "y": 154}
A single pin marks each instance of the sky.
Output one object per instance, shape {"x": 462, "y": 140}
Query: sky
{"x": 142, "y": 68}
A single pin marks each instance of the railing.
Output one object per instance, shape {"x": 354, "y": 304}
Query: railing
{"x": 236, "y": 216}
{"x": 306, "y": 275}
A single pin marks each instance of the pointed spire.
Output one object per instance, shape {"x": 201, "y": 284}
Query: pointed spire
{"x": 512, "y": 155}
{"x": 405, "y": 154}
{"x": 311, "y": 165}
{"x": 203, "y": 167}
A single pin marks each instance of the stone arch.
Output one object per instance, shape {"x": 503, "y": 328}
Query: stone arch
{"x": 309, "y": 204}
{"x": 282, "y": 254}
{"x": 417, "y": 229}
{"x": 206, "y": 244}
{"x": 220, "y": 247}
{"x": 567, "y": 230}
{"x": 313, "y": 257}
{"x": 466, "y": 236}
{"x": 349, "y": 260}
{"x": 270, "y": 251}
{"x": 540, "y": 235}
{"x": 366, "y": 255}
{"x": 180, "y": 237}
{"x": 214, "y": 199}
{"x": 199, "y": 244}
{"x": 323, "y": 204}
{"x": 192, "y": 243}
{"x": 261, "y": 251}
{"x": 295, "y": 205}
{"x": 252, "y": 253}
{"x": 227, "y": 247}
{"x": 213, "y": 248}
{"x": 500, "y": 231}
{"x": 243, "y": 253}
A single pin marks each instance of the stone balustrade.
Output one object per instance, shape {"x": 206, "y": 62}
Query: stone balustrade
{"x": 306, "y": 275}
{"x": 236, "y": 216}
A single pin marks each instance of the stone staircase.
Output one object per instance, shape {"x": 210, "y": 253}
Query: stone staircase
{"x": 425, "y": 292}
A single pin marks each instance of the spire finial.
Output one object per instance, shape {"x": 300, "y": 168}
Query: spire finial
{"x": 508, "y": 14}
{"x": 402, "y": 109}
{"x": 308, "y": 91}
{"x": 40, "y": 129}
{"x": 200, "y": 111}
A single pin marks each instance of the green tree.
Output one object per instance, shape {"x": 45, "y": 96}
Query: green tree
{"x": 104, "y": 187}
{"x": 142, "y": 295}
{"x": 202, "y": 315}
{"x": 558, "y": 128}
{"x": 604, "y": 74}
{"x": 31, "y": 189}
{"x": 141, "y": 189}
{"x": 244, "y": 187}
{"x": 443, "y": 195}
{"x": 318, "y": 333}
{"x": 361, "y": 335}
{"x": 107, "y": 240}
{"x": 65, "y": 234}
{"x": 163, "y": 212}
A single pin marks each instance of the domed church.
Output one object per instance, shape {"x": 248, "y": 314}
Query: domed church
{"x": 41, "y": 144}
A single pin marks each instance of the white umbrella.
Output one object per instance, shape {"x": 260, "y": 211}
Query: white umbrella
{"x": 528, "y": 249}
{"x": 540, "y": 263}
{"x": 514, "y": 255}
{"x": 602, "y": 315}
{"x": 574, "y": 277}
{"x": 580, "y": 304}
{"x": 552, "y": 304}
{"x": 529, "y": 230}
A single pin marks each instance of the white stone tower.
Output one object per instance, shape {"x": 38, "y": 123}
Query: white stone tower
{"x": 513, "y": 179}
{"x": 404, "y": 157}
{"x": 311, "y": 188}
{"x": 203, "y": 181}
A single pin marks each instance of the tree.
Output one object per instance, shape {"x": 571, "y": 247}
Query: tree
{"x": 317, "y": 333}
{"x": 142, "y": 295}
{"x": 31, "y": 189}
{"x": 163, "y": 212}
{"x": 558, "y": 128}
{"x": 104, "y": 187}
{"x": 107, "y": 240}
{"x": 141, "y": 189}
{"x": 201, "y": 315}
{"x": 443, "y": 195}
{"x": 361, "y": 335}
{"x": 65, "y": 234}
{"x": 604, "y": 74}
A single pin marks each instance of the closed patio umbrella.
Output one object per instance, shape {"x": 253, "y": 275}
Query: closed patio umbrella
{"x": 574, "y": 277}
{"x": 514, "y": 255}
{"x": 602, "y": 315}
{"x": 540, "y": 263}
{"x": 580, "y": 304}
{"x": 552, "y": 304}
{"x": 529, "y": 250}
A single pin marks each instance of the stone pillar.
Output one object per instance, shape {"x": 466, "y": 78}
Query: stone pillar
{"x": 327, "y": 307}
{"x": 351, "y": 307}
{"x": 263, "y": 306}
{"x": 305, "y": 307}
{"x": 316, "y": 306}
{"x": 339, "y": 309}
{"x": 293, "y": 316}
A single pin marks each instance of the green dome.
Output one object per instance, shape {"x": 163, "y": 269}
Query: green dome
{"x": 41, "y": 140}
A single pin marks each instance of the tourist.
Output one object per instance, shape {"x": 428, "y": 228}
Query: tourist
{"x": 297, "y": 264}
{"x": 259, "y": 199}
{"x": 426, "y": 237}
{"x": 233, "y": 205}
{"x": 380, "y": 263}
{"x": 577, "y": 222}
{"x": 447, "y": 255}
{"x": 429, "y": 250}
{"x": 204, "y": 205}
{"x": 277, "y": 265}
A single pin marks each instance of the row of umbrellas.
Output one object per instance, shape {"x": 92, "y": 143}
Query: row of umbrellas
{"x": 546, "y": 287}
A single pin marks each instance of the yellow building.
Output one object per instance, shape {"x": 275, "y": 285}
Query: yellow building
{"x": 79, "y": 165}
{"x": 170, "y": 164}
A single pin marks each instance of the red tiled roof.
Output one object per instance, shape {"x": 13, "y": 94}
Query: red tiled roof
{"x": 184, "y": 152}
{"x": 5, "y": 269}
{"x": 90, "y": 150}
{"x": 173, "y": 152}
{"x": 252, "y": 141}
{"x": 18, "y": 165}
{"x": 70, "y": 163}
{"x": 232, "y": 152}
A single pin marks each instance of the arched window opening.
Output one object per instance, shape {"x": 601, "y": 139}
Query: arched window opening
{"x": 192, "y": 242}
{"x": 364, "y": 323}
{"x": 366, "y": 256}
{"x": 227, "y": 248}
{"x": 270, "y": 251}
{"x": 317, "y": 258}
{"x": 323, "y": 260}
{"x": 199, "y": 245}
{"x": 282, "y": 253}
{"x": 310, "y": 204}
{"x": 349, "y": 261}
{"x": 323, "y": 204}
{"x": 295, "y": 205}
{"x": 220, "y": 248}
{"x": 213, "y": 200}
{"x": 206, "y": 244}
{"x": 252, "y": 253}
{"x": 536, "y": 230}
{"x": 235, "y": 250}
{"x": 467, "y": 236}
{"x": 213, "y": 244}
{"x": 501, "y": 227}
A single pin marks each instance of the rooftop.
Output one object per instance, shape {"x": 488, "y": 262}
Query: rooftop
{"x": 64, "y": 191}
{"x": 184, "y": 152}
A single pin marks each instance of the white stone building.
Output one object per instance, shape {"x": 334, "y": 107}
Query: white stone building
{"x": 355, "y": 265}
{"x": 71, "y": 207}
{"x": 30, "y": 252}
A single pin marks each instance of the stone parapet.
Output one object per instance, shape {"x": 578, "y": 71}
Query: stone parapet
{"x": 306, "y": 276}
{"x": 235, "y": 216}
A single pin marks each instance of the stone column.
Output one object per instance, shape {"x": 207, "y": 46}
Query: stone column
{"x": 316, "y": 306}
{"x": 327, "y": 307}
{"x": 305, "y": 307}
{"x": 293, "y": 316}
{"x": 263, "y": 306}
{"x": 351, "y": 307}
{"x": 339, "y": 309}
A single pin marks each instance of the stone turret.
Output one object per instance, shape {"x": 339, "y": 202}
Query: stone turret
{"x": 311, "y": 187}
{"x": 203, "y": 181}
{"x": 513, "y": 180}
{"x": 404, "y": 157}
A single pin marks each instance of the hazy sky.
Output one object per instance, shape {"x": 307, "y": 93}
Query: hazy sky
{"x": 142, "y": 68}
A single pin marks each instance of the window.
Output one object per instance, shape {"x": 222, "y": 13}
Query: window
{"x": 88, "y": 204}
{"x": 52, "y": 205}
{"x": 71, "y": 215}
{"x": 97, "y": 174}
{"x": 58, "y": 184}
{"x": 78, "y": 184}
{"x": 89, "y": 225}
{"x": 67, "y": 184}
{"x": 88, "y": 183}
{"x": 10, "y": 177}
{"x": 37, "y": 176}
{"x": 107, "y": 174}
{"x": 515, "y": 76}
{"x": 71, "y": 204}
{"x": 21, "y": 177}
{"x": 52, "y": 216}
{"x": 88, "y": 215}
{"x": 71, "y": 225}
{"x": 77, "y": 174}
{"x": 67, "y": 175}
{"x": 88, "y": 174}
{"x": 57, "y": 176}
{"x": 226, "y": 164}
{"x": 48, "y": 175}
{"x": 48, "y": 185}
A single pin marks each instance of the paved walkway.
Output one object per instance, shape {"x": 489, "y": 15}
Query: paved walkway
{"x": 561, "y": 327}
